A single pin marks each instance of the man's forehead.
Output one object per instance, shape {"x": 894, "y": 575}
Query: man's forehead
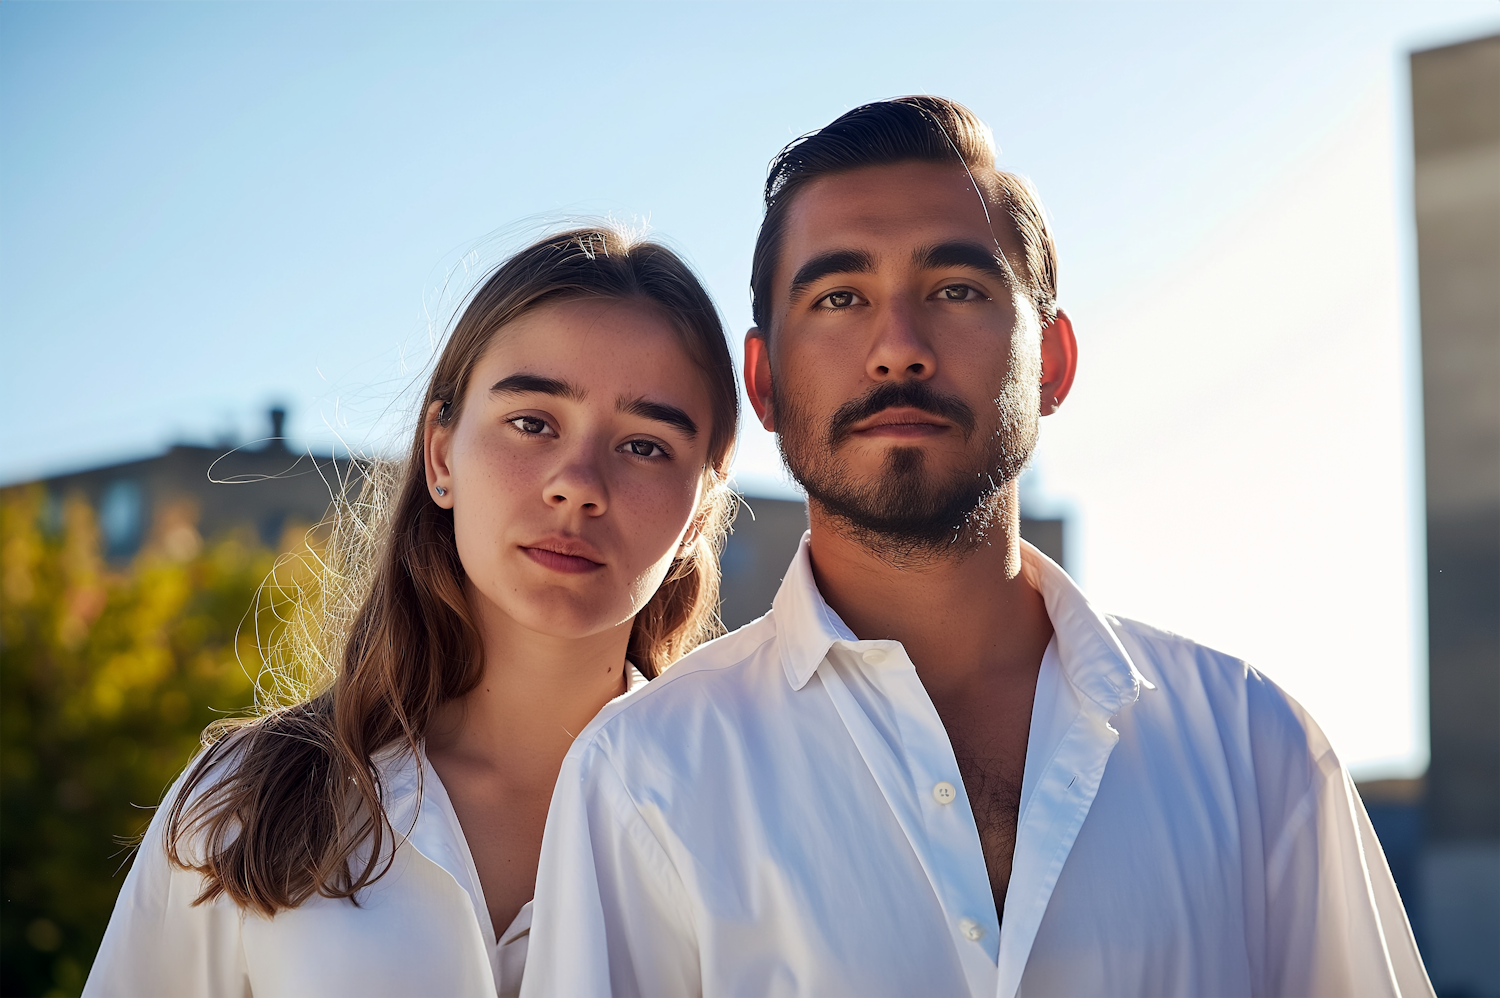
{"x": 890, "y": 211}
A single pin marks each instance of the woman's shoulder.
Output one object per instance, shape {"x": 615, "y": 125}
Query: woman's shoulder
{"x": 192, "y": 794}
{"x": 250, "y": 754}
{"x": 165, "y": 936}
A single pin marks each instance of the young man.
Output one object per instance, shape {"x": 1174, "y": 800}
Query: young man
{"x": 934, "y": 767}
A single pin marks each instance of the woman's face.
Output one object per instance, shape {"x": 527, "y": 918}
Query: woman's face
{"x": 575, "y": 466}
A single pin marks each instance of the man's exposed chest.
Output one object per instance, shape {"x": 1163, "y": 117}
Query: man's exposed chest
{"x": 995, "y": 799}
{"x": 988, "y": 730}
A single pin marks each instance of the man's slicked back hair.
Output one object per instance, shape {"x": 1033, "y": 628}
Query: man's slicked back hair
{"x": 899, "y": 130}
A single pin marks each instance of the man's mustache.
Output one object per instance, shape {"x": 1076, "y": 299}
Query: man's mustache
{"x": 900, "y": 394}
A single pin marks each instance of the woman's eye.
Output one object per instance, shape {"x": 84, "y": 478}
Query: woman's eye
{"x": 645, "y": 448}
{"x": 839, "y": 299}
{"x": 530, "y": 425}
{"x": 960, "y": 292}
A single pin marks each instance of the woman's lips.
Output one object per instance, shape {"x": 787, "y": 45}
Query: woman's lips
{"x": 559, "y": 562}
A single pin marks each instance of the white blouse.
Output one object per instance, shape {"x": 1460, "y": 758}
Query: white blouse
{"x": 422, "y": 929}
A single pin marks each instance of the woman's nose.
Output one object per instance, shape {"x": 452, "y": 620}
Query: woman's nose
{"x": 578, "y": 483}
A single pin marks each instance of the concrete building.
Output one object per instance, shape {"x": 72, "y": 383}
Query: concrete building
{"x": 209, "y": 490}
{"x": 1456, "y": 133}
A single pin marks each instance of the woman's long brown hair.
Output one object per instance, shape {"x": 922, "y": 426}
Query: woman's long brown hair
{"x": 293, "y": 807}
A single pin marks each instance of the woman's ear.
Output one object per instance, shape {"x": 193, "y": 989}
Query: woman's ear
{"x": 713, "y": 489}
{"x": 758, "y": 377}
{"x": 685, "y": 546}
{"x": 701, "y": 513}
{"x": 437, "y": 445}
{"x": 1059, "y": 362}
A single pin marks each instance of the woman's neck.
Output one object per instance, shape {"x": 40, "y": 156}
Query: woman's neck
{"x": 535, "y": 693}
{"x": 498, "y": 748}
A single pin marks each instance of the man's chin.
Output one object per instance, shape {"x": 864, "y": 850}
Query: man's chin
{"x": 871, "y": 458}
{"x": 903, "y": 515}
{"x": 905, "y": 500}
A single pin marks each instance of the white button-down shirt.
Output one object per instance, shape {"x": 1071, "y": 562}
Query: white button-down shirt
{"x": 781, "y": 814}
{"x": 423, "y": 929}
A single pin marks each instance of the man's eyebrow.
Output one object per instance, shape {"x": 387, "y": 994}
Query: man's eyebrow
{"x": 536, "y": 383}
{"x": 961, "y": 253}
{"x": 661, "y": 412}
{"x": 846, "y": 261}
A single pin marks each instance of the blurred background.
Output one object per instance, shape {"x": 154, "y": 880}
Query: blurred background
{"x": 231, "y": 236}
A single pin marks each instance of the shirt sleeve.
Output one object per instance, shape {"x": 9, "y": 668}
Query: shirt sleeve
{"x": 611, "y": 915}
{"x": 1335, "y": 924}
{"x": 158, "y": 942}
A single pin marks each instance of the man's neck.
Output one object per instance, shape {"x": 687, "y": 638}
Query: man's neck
{"x": 976, "y": 631}
{"x": 963, "y": 618}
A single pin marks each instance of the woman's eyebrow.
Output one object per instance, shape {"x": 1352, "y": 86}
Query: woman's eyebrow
{"x": 516, "y": 384}
{"x": 660, "y": 412}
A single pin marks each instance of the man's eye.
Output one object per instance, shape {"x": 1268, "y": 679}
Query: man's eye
{"x": 530, "y": 425}
{"x": 960, "y": 292}
{"x": 839, "y": 299}
{"x": 645, "y": 448}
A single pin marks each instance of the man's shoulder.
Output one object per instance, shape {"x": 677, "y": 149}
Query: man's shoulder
{"x": 1171, "y": 660}
{"x": 1192, "y": 679}
{"x": 712, "y": 681}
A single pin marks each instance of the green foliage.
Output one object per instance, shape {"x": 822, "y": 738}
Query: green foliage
{"x": 107, "y": 679}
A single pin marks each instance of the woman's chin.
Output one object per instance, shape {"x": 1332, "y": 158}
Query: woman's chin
{"x": 565, "y": 617}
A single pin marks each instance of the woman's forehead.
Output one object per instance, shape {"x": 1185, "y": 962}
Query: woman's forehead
{"x": 601, "y": 347}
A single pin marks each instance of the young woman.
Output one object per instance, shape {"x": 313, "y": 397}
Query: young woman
{"x": 552, "y": 543}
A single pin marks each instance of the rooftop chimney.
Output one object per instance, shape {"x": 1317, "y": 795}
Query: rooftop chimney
{"x": 278, "y": 423}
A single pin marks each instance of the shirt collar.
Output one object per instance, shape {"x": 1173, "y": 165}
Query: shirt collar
{"x": 806, "y": 627}
{"x": 1091, "y": 655}
{"x": 634, "y": 678}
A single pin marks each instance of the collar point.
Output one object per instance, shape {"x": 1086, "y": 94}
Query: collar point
{"x": 796, "y": 677}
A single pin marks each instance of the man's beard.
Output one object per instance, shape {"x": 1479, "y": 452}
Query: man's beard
{"x": 910, "y": 512}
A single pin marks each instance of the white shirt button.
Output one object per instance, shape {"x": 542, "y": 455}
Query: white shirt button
{"x": 944, "y": 793}
{"x": 874, "y": 656}
{"x": 972, "y": 930}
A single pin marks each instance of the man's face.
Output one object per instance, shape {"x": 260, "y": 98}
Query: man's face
{"x": 904, "y": 363}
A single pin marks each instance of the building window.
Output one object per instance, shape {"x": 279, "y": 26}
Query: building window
{"x": 120, "y": 517}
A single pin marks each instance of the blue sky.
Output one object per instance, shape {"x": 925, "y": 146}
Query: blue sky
{"x": 208, "y": 208}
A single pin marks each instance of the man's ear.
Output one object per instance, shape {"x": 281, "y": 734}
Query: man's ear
{"x": 758, "y": 377}
{"x": 1059, "y": 362}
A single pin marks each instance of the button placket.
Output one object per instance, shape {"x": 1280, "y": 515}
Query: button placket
{"x": 948, "y": 826}
{"x": 943, "y": 836}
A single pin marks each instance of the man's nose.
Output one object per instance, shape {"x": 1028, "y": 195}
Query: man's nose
{"x": 579, "y": 483}
{"x": 901, "y": 350}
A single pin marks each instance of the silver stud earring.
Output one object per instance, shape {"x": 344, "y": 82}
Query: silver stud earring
{"x": 440, "y": 490}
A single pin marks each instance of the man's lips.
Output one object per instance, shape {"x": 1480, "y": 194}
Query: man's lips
{"x": 902, "y": 421}
{"x": 564, "y": 555}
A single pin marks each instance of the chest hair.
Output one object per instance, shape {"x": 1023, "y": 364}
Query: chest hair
{"x": 994, "y": 791}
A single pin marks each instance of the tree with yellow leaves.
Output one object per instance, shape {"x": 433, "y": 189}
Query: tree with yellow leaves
{"x": 107, "y": 679}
